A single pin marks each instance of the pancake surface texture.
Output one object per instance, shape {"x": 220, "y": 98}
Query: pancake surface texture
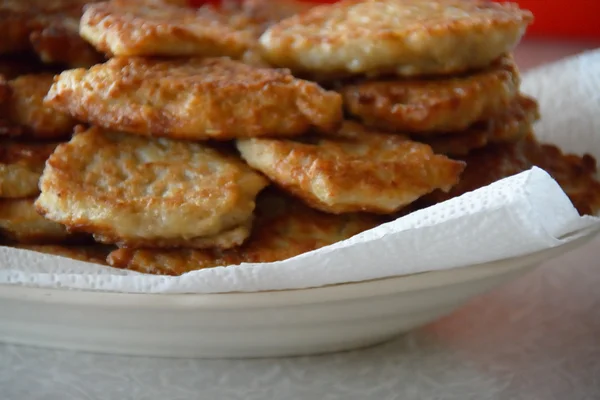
{"x": 434, "y": 105}
{"x": 134, "y": 191}
{"x": 352, "y": 170}
{"x": 403, "y": 37}
{"x": 133, "y": 28}
{"x": 196, "y": 99}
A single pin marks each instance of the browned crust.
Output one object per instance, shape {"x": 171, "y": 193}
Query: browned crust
{"x": 232, "y": 237}
{"x": 408, "y": 37}
{"x": 510, "y": 126}
{"x": 434, "y": 105}
{"x": 136, "y": 28}
{"x": 575, "y": 174}
{"x": 196, "y": 99}
{"x": 506, "y": 13}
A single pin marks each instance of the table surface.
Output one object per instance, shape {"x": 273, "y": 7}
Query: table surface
{"x": 535, "y": 338}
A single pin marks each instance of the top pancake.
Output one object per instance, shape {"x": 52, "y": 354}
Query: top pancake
{"x": 134, "y": 28}
{"x": 136, "y": 191}
{"x": 211, "y": 98}
{"x": 403, "y": 37}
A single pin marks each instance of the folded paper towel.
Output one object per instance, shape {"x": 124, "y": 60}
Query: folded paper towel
{"x": 519, "y": 215}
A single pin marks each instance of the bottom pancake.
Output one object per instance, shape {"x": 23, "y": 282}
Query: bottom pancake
{"x": 576, "y": 175}
{"x": 283, "y": 229}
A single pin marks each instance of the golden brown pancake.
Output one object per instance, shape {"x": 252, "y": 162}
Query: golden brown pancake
{"x": 142, "y": 192}
{"x": 125, "y": 28}
{"x": 57, "y": 41}
{"x": 510, "y": 126}
{"x": 353, "y": 170}
{"x": 402, "y": 37}
{"x": 434, "y": 105}
{"x": 196, "y": 99}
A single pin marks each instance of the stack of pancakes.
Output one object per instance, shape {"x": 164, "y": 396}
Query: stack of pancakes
{"x": 353, "y": 113}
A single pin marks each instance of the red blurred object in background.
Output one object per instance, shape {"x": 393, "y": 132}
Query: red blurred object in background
{"x": 564, "y": 18}
{"x": 554, "y": 18}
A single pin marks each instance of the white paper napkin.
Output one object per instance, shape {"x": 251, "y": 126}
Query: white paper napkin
{"x": 513, "y": 217}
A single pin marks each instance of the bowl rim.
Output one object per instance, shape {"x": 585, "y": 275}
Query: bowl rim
{"x": 290, "y": 297}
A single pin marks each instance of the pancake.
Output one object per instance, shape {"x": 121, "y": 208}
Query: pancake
{"x": 134, "y": 28}
{"x": 434, "y": 105}
{"x": 352, "y": 170}
{"x": 194, "y": 99}
{"x": 140, "y": 192}
{"x": 401, "y": 37}
{"x": 510, "y": 126}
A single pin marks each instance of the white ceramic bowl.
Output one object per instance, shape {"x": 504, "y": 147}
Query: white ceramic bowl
{"x": 263, "y": 324}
